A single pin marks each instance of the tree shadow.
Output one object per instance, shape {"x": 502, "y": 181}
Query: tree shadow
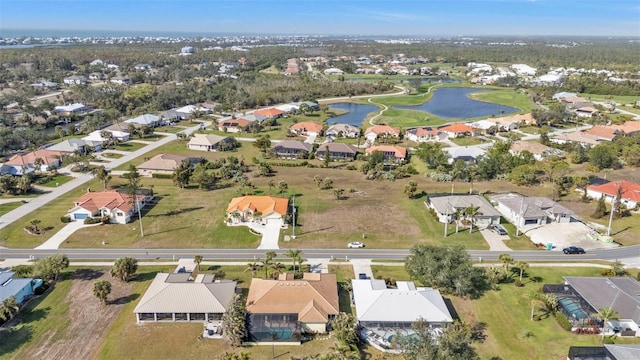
{"x": 213, "y": 268}
{"x": 312, "y": 231}
{"x": 177, "y": 212}
{"x": 168, "y": 230}
{"x": 620, "y": 231}
{"x": 420, "y": 195}
{"x": 87, "y": 274}
{"x": 146, "y": 276}
{"x": 125, "y": 299}
{"x": 535, "y": 279}
{"x": 13, "y": 338}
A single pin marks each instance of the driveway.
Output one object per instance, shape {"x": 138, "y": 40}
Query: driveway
{"x": 361, "y": 266}
{"x": 563, "y": 235}
{"x": 495, "y": 241}
{"x": 62, "y": 235}
{"x": 270, "y": 236}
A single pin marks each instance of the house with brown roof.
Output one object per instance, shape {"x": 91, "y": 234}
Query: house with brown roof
{"x": 457, "y": 130}
{"x": 233, "y": 125}
{"x": 376, "y": 131}
{"x": 337, "y": 151}
{"x": 394, "y": 154}
{"x": 609, "y": 132}
{"x": 283, "y": 309}
{"x": 539, "y": 151}
{"x": 629, "y": 191}
{"x": 260, "y": 209}
{"x": 292, "y": 149}
{"x": 24, "y": 163}
{"x": 116, "y": 205}
{"x": 161, "y": 164}
{"x": 211, "y": 142}
{"x": 343, "y": 131}
{"x": 270, "y": 113}
{"x": 423, "y": 134}
{"x": 306, "y": 128}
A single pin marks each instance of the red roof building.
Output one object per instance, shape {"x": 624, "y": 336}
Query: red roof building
{"x": 630, "y": 192}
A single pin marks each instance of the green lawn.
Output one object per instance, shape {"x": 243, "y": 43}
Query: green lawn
{"x": 111, "y": 155}
{"x": 129, "y": 146}
{"x": 622, "y": 99}
{"x": 57, "y": 180}
{"x": 507, "y": 97}
{"x": 169, "y": 129}
{"x": 467, "y": 140}
{"x": 6, "y": 207}
{"x": 506, "y": 314}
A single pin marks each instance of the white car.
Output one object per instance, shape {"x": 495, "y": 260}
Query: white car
{"x": 355, "y": 245}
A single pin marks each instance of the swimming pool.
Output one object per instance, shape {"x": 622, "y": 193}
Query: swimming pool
{"x": 573, "y": 308}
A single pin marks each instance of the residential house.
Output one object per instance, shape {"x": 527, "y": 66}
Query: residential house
{"x": 423, "y": 134}
{"x": 586, "y": 111}
{"x": 393, "y": 154}
{"x": 591, "y": 294}
{"x": 343, "y": 131}
{"x": 376, "y": 131}
{"x": 42, "y": 83}
{"x": 581, "y": 137}
{"x": 121, "y": 80}
{"x": 180, "y": 297}
{"x": 508, "y": 123}
{"x": 75, "y": 80}
{"x": 72, "y": 146}
{"x": 605, "y": 352}
{"x": 145, "y": 120}
{"x": 261, "y": 209}
{"x": 96, "y": 76}
{"x": 21, "y": 288}
{"x": 447, "y": 206}
{"x": 288, "y": 108}
{"x": 142, "y": 67}
{"x": 186, "y": 111}
{"x": 306, "y": 128}
{"x": 313, "y": 105}
{"x": 609, "y": 132}
{"x": 630, "y": 192}
{"x": 468, "y": 154}
{"x": 292, "y": 149}
{"x": 374, "y": 301}
{"x": 457, "y": 130}
{"x": 232, "y": 125}
{"x": 95, "y": 137}
{"x": 333, "y": 71}
{"x": 485, "y": 126}
{"x": 280, "y": 310}
{"x": 210, "y": 142}
{"x": 119, "y": 131}
{"x": 337, "y": 151}
{"x": 563, "y": 95}
{"x": 75, "y": 108}
{"x": 270, "y": 113}
{"x": 24, "y": 163}
{"x": 540, "y": 152}
{"x": 525, "y": 211}
{"x": 161, "y": 164}
{"x": 116, "y": 205}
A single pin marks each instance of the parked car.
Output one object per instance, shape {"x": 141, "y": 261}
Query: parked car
{"x": 573, "y": 250}
{"x": 500, "y": 230}
{"x": 362, "y": 276}
{"x": 355, "y": 245}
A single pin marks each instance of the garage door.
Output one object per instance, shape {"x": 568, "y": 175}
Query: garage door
{"x": 80, "y": 216}
{"x": 531, "y": 222}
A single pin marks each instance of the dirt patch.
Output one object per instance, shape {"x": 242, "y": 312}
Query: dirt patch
{"x": 88, "y": 319}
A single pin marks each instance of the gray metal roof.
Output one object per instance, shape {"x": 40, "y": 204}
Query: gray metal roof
{"x": 624, "y": 352}
{"x": 173, "y": 293}
{"x": 534, "y": 206}
{"x": 450, "y": 203}
{"x": 619, "y": 293}
{"x": 293, "y": 144}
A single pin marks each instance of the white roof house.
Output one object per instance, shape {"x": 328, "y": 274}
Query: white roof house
{"x": 183, "y": 299}
{"x": 192, "y": 108}
{"x": 483, "y": 124}
{"x": 74, "y": 108}
{"x": 374, "y": 302}
{"x": 146, "y": 119}
{"x": 333, "y": 71}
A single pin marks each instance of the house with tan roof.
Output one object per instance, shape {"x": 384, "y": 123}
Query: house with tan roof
{"x": 260, "y": 209}
{"x": 270, "y": 113}
{"x": 283, "y": 309}
{"x": 211, "y": 142}
{"x": 161, "y": 164}
{"x": 24, "y": 163}
{"x": 337, "y": 151}
{"x": 306, "y": 128}
{"x": 630, "y": 192}
{"x": 179, "y": 297}
{"x": 581, "y": 137}
{"x": 376, "y": 131}
{"x": 292, "y": 149}
{"x": 586, "y": 111}
{"x": 457, "y": 130}
{"x": 540, "y": 152}
{"x": 343, "y": 131}
{"x": 116, "y": 205}
{"x": 233, "y": 125}
{"x": 423, "y": 134}
{"x": 394, "y": 154}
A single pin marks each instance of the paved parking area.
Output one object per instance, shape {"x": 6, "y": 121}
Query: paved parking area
{"x": 563, "y": 235}
{"x": 495, "y": 240}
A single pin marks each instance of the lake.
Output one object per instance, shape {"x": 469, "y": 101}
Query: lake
{"x": 454, "y": 103}
{"x": 356, "y": 113}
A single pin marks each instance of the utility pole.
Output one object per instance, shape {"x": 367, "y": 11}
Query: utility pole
{"x": 520, "y": 217}
{"x": 293, "y": 212}
{"x": 140, "y": 219}
{"x": 613, "y": 208}
{"x": 446, "y": 222}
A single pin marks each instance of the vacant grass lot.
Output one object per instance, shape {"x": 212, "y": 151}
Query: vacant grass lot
{"x": 129, "y": 146}
{"x": 57, "y": 180}
{"x": 467, "y": 140}
{"x": 506, "y": 314}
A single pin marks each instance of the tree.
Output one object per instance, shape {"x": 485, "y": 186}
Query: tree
{"x": 197, "y": 260}
{"x": 268, "y": 262}
{"x": 234, "y": 321}
{"x": 432, "y": 154}
{"x": 102, "y": 174}
{"x": 601, "y": 209}
{"x": 447, "y": 268}
{"x": 24, "y": 184}
{"x": 317, "y": 180}
{"x": 253, "y": 267}
{"x": 470, "y": 212}
{"x": 34, "y": 225}
{"x": 22, "y": 271}
{"x": 37, "y": 163}
{"x": 50, "y": 267}
{"x": 101, "y": 290}
{"x": 133, "y": 185}
{"x": 271, "y": 184}
{"x": 263, "y": 143}
{"x": 410, "y": 189}
{"x": 606, "y": 314}
{"x": 338, "y": 193}
{"x": 283, "y": 186}
{"x": 506, "y": 260}
{"x": 124, "y": 268}
{"x": 345, "y": 328}
{"x": 455, "y": 342}
{"x": 603, "y": 156}
{"x": 181, "y": 174}
{"x": 522, "y": 266}
{"x": 59, "y": 131}
{"x": 327, "y": 183}
{"x": 9, "y": 308}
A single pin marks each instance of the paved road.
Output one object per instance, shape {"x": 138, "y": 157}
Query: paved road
{"x": 629, "y": 254}
{"x": 54, "y": 193}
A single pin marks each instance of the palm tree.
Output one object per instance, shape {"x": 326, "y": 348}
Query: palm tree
{"x": 470, "y": 212}
{"x": 317, "y": 180}
{"x": 338, "y": 193}
{"x": 606, "y": 314}
{"x": 295, "y": 256}
{"x": 268, "y": 262}
{"x": 102, "y": 174}
{"x": 34, "y": 225}
{"x": 506, "y": 260}
{"x": 458, "y": 216}
{"x": 534, "y": 297}
{"x": 102, "y": 289}
{"x": 522, "y": 265}
{"x": 37, "y": 163}
{"x": 197, "y": 260}
{"x": 410, "y": 189}
{"x": 9, "y": 308}
{"x": 253, "y": 267}
{"x": 271, "y": 184}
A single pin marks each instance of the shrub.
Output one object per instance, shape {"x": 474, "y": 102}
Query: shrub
{"x": 90, "y": 220}
{"x": 65, "y": 219}
{"x": 537, "y": 317}
{"x": 608, "y": 340}
{"x": 351, "y": 167}
{"x": 517, "y": 283}
{"x": 563, "y": 321}
{"x": 161, "y": 176}
{"x": 40, "y": 290}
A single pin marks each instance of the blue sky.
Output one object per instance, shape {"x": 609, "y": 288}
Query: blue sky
{"x": 365, "y": 17}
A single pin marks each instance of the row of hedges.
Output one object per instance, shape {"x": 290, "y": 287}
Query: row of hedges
{"x": 161, "y": 176}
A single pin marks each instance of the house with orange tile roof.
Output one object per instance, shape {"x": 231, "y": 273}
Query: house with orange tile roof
{"x": 457, "y": 130}
{"x": 233, "y": 125}
{"x": 376, "y": 131}
{"x": 423, "y": 134}
{"x": 306, "y": 128}
{"x": 271, "y": 113}
{"x": 260, "y": 209}
{"x": 281, "y": 310}
{"x": 609, "y": 132}
{"x": 24, "y": 163}
{"x": 118, "y": 206}
{"x": 630, "y": 192}
{"x": 394, "y": 154}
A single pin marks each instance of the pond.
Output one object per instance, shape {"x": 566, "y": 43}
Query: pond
{"x": 355, "y": 116}
{"x": 455, "y": 103}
